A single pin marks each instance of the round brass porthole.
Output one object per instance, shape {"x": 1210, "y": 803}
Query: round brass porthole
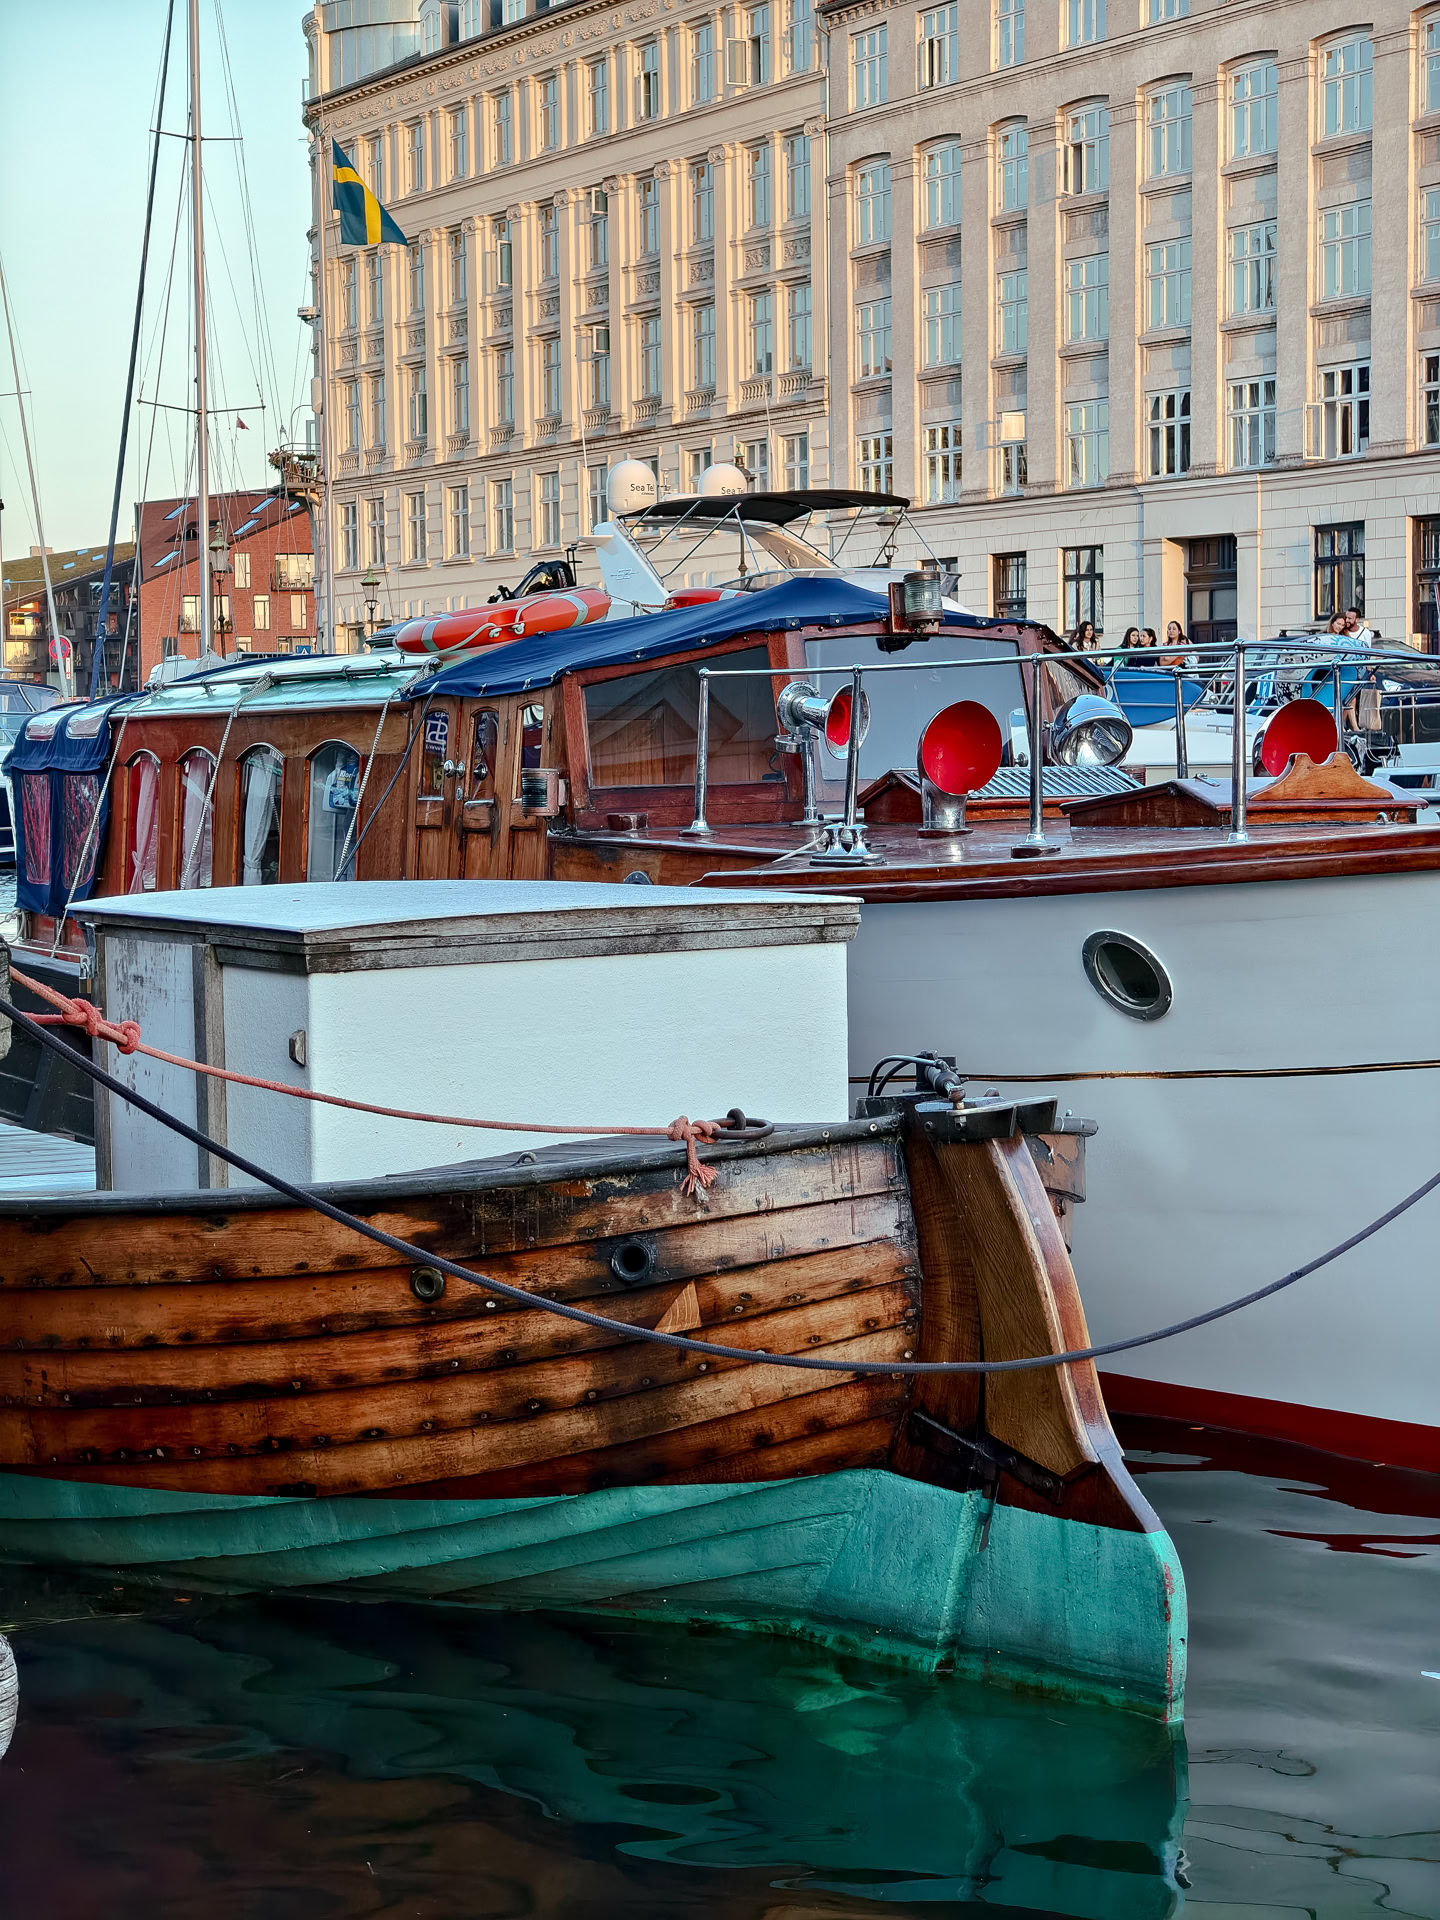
{"x": 1128, "y": 975}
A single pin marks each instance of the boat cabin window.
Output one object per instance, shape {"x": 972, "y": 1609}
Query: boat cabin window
{"x": 334, "y": 798}
{"x": 532, "y": 741}
{"x": 261, "y": 776}
{"x": 434, "y": 752}
{"x": 35, "y": 813}
{"x": 642, "y": 726}
{"x": 142, "y": 847}
{"x": 484, "y": 748}
{"x": 197, "y": 818}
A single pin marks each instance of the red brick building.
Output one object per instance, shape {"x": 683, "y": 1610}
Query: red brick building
{"x": 264, "y": 598}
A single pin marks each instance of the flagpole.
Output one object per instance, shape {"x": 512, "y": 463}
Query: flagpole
{"x": 64, "y": 663}
{"x": 325, "y": 628}
{"x": 202, "y": 437}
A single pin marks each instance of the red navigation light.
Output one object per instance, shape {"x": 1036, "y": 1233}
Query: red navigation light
{"x": 1301, "y": 726}
{"x": 961, "y": 747}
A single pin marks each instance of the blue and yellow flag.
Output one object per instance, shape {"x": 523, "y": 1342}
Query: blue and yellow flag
{"x": 363, "y": 221}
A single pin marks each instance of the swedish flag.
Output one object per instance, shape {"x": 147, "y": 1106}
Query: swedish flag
{"x": 363, "y": 221}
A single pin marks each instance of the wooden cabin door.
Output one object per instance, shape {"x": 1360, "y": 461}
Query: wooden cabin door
{"x": 436, "y": 793}
{"x": 481, "y": 824}
{"x": 528, "y": 851}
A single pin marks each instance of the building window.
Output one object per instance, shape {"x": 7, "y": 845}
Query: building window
{"x": 1012, "y": 312}
{"x": 459, "y": 270}
{"x": 699, "y": 461}
{"x": 1087, "y": 444}
{"x": 1346, "y": 93}
{"x": 1168, "y": 116}
{"x": 241, "y": 564}
{"x": 1083, "y": 577}
{"x": 1012, "y": 169}
{"x": 550, "y": 401}
{"x": 549, "y": 243}
{"x": 942, "y": 185}
{"x": 754, "y": 459}
{"x": 942, "y": 325}
{"x": 375, "y": 165}
{"x": 375, "y": 533}
{"x": 875, "y": 462}
{"x": 262, "y": 772}
{"x": 1084, "y": 22}
{"x": 349, "y": 536}
{"x": 1009, "y": 32}
{"x": 1254, "y": 109}
{"x": 939, "y": 46}
{"x": 505, "y": 387}
{"x": 648, "y": 197}
{"x": 1430, "y": 66}
{"x": 418, "y": 407}
{"x": 597, "y": 231}
{"x": 797, "y": 176}
{"x": 597, "y": 342}
{"x": 502, "y": 121}
{"x": 415, "y": 526}
{"x": 460, "y": 397}
{"x": 702, "y": 203}
{"x": 1087, "y": 150}
{"x": 547, "y": 101}
{"x": 795, "y": 461}
{"x": 870, "y": 68}
{"x": 799, "y": 349}
{"x": 349, "y": 295}
{"x": 1344, "y": 411}
{"x": 1252, "y": 268}
{"x": 872, "y": 204}
{"x": 260, "y": 613}
{"x": 550, "y": 509}
{"x": 1430, "y": 233}
{"x": 702, "y": 348}
{"x": 800, "y": 36}
{"x": 762, "y": 334}
{"x": 415, "y": 278}
{"x": 873, "y": 339}
{"x": 430, "y": 32}
{"x": 502, "y": 497}
{"x": 503, "y": 254}
{"x": 459, "y": 128}
{"x": 458, "y": 522}
{"x": 1430, "y": 399}
{"x": 942, "y": 463}
{"x": 647, "y": 81}
{"x": 702, "y": 63}
{"x": 1158, "y": 11}
{"x": 1087, "y": 298}
{"x": 757, "y": 184}
{"x": 1167, "y": 284}
{"x": 595, "y": 494}
{"x": 650, "y": 356}
{"x": 1339, "y": 568}
{"x": 415, "y": 157}
{"x": 754, "y": 49}
{"x": 1008, "y": 586}
{"x": 1169, "y": 418}
{"x": 350, "y": 416}
{"x": 374, "y": 289}
{"x": 597, "y": 97}
{"x": 1345, "y": 251}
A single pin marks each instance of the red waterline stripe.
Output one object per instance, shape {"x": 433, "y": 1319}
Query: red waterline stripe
{"x": 1353, "y": 1436}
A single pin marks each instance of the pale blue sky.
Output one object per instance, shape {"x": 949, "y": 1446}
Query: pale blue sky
{"x": 77, "y": 82}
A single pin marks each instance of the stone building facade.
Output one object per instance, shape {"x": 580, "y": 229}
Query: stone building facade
{"x": 1140, "y": 300}
{"x": 615, "y": 253}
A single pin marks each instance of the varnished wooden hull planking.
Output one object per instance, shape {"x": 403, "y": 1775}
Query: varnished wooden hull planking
{"x": 218, "y": 1387}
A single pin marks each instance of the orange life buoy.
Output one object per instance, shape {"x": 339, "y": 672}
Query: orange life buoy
{"x": 491, "y": 626}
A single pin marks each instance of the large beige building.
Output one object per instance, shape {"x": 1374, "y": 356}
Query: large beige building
{"x": 1141, "y": 301}
{"x": 612, "y": 255}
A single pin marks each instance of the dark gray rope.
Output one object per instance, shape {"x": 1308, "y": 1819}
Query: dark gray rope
{"x": 811, "y": 1362}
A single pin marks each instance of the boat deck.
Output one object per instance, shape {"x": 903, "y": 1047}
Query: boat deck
{"x": 43, "y": 1163}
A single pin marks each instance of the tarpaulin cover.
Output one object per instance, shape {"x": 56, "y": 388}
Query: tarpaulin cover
{"x": 540, "y": 659}
{"x": 57, "y": 773}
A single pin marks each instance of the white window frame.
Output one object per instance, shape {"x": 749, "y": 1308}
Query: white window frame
{"x": 795, "y": 460}
{"x": 1168, "y": 425}
{"x": 1430, "y": 233}
{"x": 1084, "y": 22}
{"x": 702, "y": 203}
{"x": 597, "y": 96}
{"x": 939, "y": 49}
{"x": 651, "y": 340}
{"x": 647, "y": 80}
{"x": 943, "y": 465}
{"x": 1252, "y": 268}
{"x": 875, "y": 462}
{"x": 1430, "y": 64}
{"x": 1346, "y": 77}
{"x": 1253, "y": 93}
{"x": 552, "y": 381}
{"x": 1087, "y": 299}
{"x": 1087, "y": 443}
{"x": 1169, "y": 119}
{"x": 702, "y": 347}
{"x": 1157, "y": 12}
{"x": 760, "y": 332}
{"x": 941, "y": 172}
{"x": 375, "y": 542}
{"x": 799, "y": 326}
{"x": 800, "y": 55}
{"x": 1251, "y": 418}
{"x": 1343, "y": 271}
{"x": 1087, "y": 148}
{"x": 869, "y": 68}
{"x": 502, "y": 507}
{"x": 1342, "y": 425}
{"x": 1012, "y": 311}
{"x": 873, "y": 204}
{"x": 1012, "y": 167}
{"x": 647, "y": 207}
{"x": 874, "y": 338}
{"x": 1168, "y": 284}
{"x": 1009, "y": 33}
{"x": 459, "y": 142}
{"x": 797, "y": 176}
{"x": 416, "y": 528}
{"x": 703, "y": 76}
{"x": 759, "y": 186}
{"x": 550, "y": 532}
{"x": 941, "y": 336}
{"x": 458, "y": 521}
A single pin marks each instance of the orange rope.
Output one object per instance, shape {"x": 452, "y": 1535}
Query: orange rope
{"x": 125, "y": 1034}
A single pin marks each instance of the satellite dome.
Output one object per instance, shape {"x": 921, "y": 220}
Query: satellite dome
{"x": 718, "y": 482}
{"x": 631, "y": 487}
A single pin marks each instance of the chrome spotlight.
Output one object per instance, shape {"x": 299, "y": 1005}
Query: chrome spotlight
{"x": 1089, "y": 732}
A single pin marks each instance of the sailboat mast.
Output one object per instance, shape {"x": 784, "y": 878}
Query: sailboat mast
{"x": 64, "y": 661}
{"x": 202, "y": 436}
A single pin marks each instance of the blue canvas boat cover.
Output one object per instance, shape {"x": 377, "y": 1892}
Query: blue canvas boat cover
{"x": 55, "y": 770}
{"x": 540, "y": 659}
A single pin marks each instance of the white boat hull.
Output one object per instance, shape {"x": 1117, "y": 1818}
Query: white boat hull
{"x": 1202, "y": 1190}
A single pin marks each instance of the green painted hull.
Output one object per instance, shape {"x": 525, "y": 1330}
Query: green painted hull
{"x": 863, "y": 1561}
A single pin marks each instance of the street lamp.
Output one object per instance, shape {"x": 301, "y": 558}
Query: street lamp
{"x": 219, "y": 567}
{"x": 370, "y": 587}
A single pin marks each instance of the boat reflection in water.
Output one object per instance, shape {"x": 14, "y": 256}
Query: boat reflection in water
{"x": 799, "y": 1768}
{"x": 9, "y": 1695}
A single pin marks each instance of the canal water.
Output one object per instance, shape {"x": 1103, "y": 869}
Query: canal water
{"x": 178, "y": 1754}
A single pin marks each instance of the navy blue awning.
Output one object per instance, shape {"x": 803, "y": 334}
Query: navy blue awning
{"x": 66, "y": 739}
{"x": 541, "y": 659}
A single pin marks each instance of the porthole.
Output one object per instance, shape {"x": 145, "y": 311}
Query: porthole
{"x": 427, "y": 1284}
{"x": 1128, "y": 975}
{"x": 633, "y": 1262}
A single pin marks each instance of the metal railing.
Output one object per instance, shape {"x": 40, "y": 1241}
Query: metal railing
{"x": 843, "y": 841}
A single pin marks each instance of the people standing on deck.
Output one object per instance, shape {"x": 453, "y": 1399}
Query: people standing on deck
{"x": 1084, "y": 638}
{"x": 1132, "y": 639}
{"x": 1355, "y": 629}
{"x": 1177, "y": 647}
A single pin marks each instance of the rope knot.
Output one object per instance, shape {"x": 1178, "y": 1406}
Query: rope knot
{"x": 124, "y": 1034}
{"x": 691, "y": 1132}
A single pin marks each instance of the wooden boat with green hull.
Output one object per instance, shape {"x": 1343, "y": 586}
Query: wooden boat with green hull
{"x": 221, "y": 1387}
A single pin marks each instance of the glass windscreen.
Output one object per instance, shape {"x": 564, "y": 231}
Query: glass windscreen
{"x": 642, "y": 727}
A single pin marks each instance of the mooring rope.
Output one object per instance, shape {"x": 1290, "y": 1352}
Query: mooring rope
{"x": 422, "y": 1256}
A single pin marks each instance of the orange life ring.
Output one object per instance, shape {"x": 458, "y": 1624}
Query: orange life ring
{"x": 490, "y": 626}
